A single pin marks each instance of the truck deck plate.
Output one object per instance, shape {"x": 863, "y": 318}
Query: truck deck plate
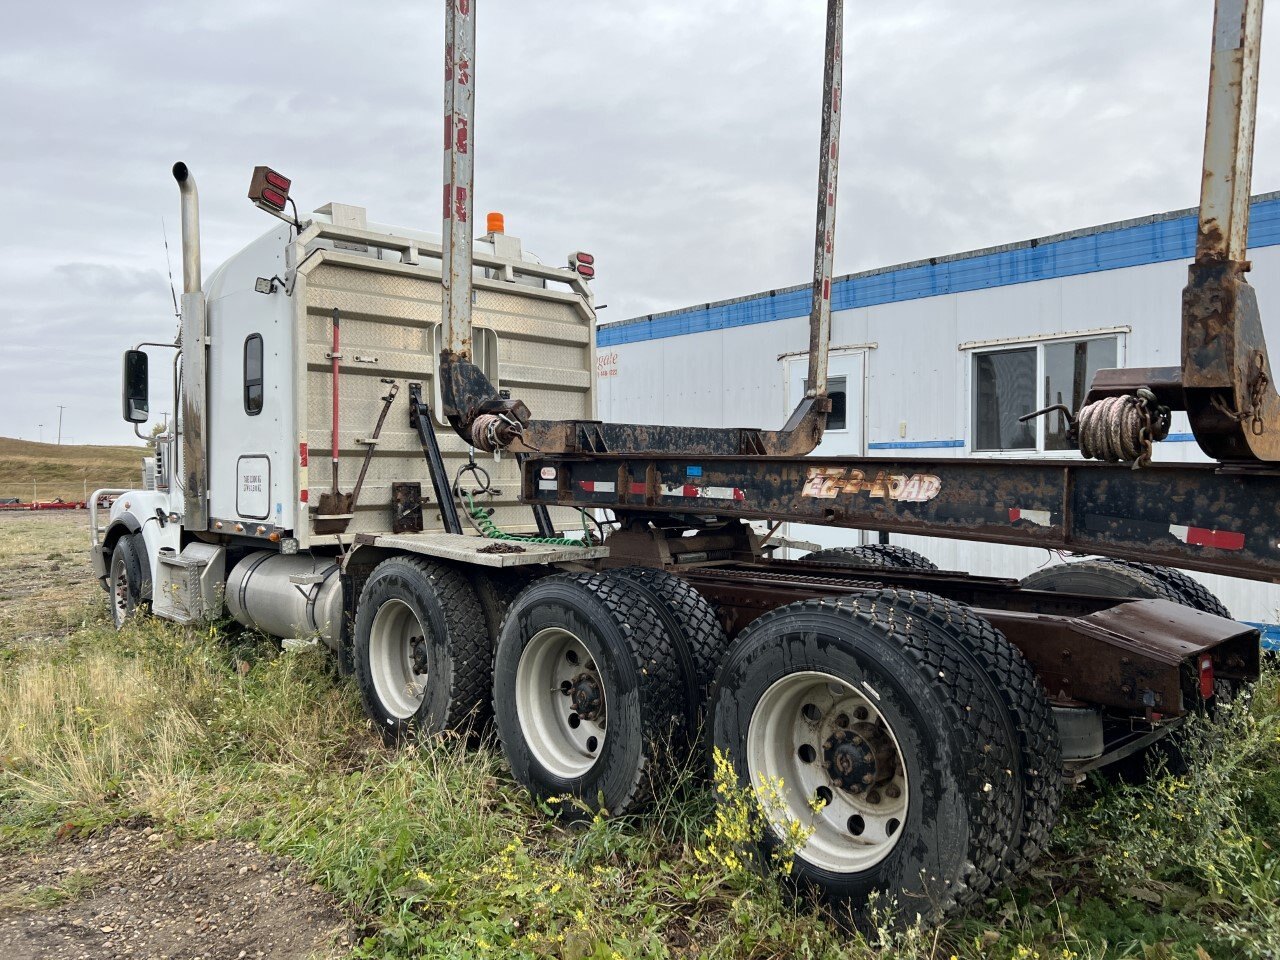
{"x": 481, "y": 551}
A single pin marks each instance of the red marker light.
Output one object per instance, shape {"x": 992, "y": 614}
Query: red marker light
{"x": 277, "y": 181}
{"x": 586, "y": 272}
{"x": 1206, "y": 677}
{"x": 269, "y": 190}
{"x": 584, "y": 258}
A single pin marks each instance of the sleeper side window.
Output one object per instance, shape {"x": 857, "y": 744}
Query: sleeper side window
{"x": 253, "y": 374}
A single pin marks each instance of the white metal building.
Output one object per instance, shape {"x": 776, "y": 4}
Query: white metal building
{"x": 940, "y": 357}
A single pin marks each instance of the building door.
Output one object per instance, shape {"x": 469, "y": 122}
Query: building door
{"x": 845, "y": 434}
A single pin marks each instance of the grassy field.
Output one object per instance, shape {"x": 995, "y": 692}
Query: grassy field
{"x": 47, "y": 470}
{"x": 432, "y": 850}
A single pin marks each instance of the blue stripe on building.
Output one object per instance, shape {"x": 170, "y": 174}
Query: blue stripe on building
{"x": 1154, "y": 240}
{"x": 914, "y": 444}
{"x": 1270, "y": 635}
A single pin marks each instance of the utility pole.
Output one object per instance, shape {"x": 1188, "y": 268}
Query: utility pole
{"x": 41, "y": 426}
{"x": 60, "y": 409}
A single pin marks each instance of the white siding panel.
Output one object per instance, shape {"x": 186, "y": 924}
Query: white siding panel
{"x": 918, "y": 376}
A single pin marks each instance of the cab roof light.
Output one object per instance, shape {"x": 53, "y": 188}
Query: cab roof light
{"x": 269, "y": 190}
{"x": 583, "y": 264}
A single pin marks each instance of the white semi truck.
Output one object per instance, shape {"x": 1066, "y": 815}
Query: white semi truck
{"x": 922, "y": 722}
{"x": 295, "y": 366}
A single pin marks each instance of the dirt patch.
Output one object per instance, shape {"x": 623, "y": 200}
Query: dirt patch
{"x": 129, "y": 892}
{"x": 48, "y": 584}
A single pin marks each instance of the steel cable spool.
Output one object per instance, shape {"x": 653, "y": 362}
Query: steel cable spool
{"x": 1122, "y": 429}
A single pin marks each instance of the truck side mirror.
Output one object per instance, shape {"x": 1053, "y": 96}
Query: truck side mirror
{"x": 135, "y": 388}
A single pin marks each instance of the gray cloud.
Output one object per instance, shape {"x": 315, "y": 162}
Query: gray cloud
{"x": 675, "y": 140}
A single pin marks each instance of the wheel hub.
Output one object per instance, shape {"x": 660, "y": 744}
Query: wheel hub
{"x": 586, "y": 696}
{"x": 858, "y": 758}
{"x": 418, "y": 652}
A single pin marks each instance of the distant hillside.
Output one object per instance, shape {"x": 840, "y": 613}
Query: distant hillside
{"x": 48, "y": 470}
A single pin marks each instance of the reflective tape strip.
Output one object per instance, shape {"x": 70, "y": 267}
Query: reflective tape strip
{"x": 710, "y": 493}
{"x": 1203, "y": 537}
{"x": 1039, "y": 517}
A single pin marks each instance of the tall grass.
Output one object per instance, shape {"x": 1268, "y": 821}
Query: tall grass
{"x": 438, "y": 853}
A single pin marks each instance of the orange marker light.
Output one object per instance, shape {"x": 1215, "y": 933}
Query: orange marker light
{"x": 495, "y": 222}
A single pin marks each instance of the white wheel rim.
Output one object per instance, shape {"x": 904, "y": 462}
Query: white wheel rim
{"x": 119, "y": 591}
{"x": 561, "y": 703}
{"x": 392, "y": 636}
{"x": 813, "y": 732}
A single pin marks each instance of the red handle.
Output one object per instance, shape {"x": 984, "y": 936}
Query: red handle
{"x": 334, "y": 433}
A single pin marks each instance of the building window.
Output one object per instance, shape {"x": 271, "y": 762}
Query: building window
{"x": 838, "y": 418}
{"x": 1010, "y": 383}
{"x": 1004, "y": 389}
{"x": 1069, "y": 366}
{"x": 253, "y": 374}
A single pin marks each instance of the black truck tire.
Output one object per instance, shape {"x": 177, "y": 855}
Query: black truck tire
{"x": 1193, "y": 593}
{"x": 421, "y": 650}
{"x": 698, "y": 630}
{"x": 128, "y": 579}
{"x": 587, "y": 692}
{"x": 806, "y": 696}
{"x": 1146, "y": 580}
{"x": 884, "y": 555}
{"x": 496, "y": 590}
{"x": 1038, "y": 752}
{"x": 1103, "y": 578}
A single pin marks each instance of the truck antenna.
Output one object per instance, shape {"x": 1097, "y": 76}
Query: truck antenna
{"x": 169, "y": 263}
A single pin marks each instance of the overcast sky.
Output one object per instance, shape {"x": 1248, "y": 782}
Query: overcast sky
{"x": 674, "y": 139}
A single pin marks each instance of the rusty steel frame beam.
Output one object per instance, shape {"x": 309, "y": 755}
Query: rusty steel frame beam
{"x": 1194, "y": 516}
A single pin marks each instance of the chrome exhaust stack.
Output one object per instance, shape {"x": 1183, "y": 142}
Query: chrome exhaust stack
{"x": 190, "y": 228}
{"x": 195, "y": 363}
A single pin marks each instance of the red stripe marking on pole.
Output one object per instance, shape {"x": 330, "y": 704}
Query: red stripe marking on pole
{"x": 302, "y": 454}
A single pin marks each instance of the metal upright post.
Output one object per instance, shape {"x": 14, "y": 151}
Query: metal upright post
{"x": 1228, "y": 135}
{"x": 459, "y": 175}
{"x": 828, "y": 167}
{"x": 1228, "y": 385}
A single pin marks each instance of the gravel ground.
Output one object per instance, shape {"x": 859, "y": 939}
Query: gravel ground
{"x": 131, "y": 892}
